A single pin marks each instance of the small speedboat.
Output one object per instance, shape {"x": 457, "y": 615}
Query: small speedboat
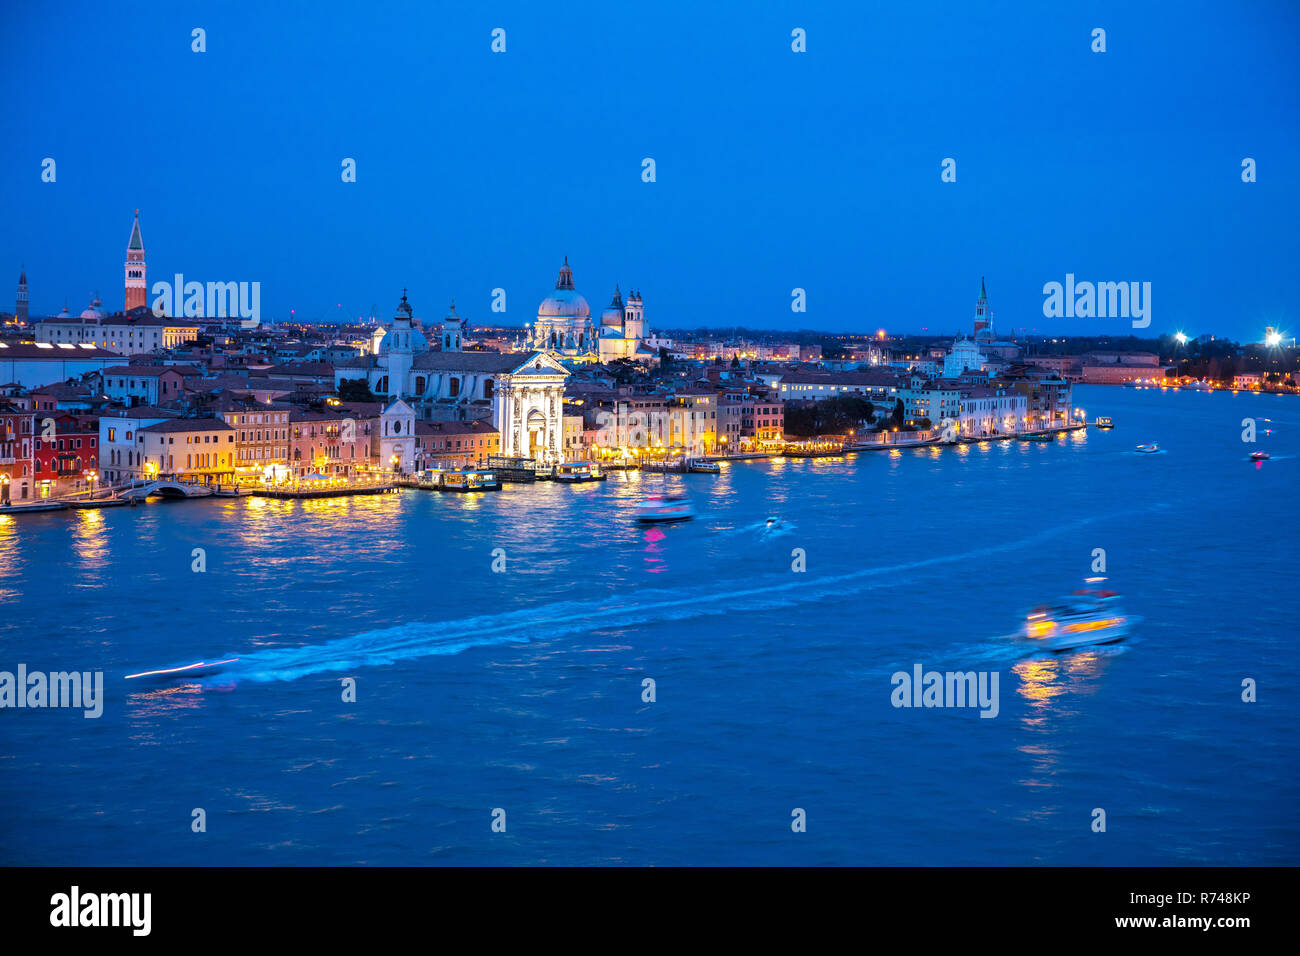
{"x": 1259, "y": 456}
{"x": 199, "y": 669}
{"x": 1086, "y": 617}
{"x": 1150, "y": 449}
{"x": 663, "y": 508}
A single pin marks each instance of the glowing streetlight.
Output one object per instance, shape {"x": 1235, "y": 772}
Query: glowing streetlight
{"x": 1180, "y": 338}
{"x": 1272, "y": 338}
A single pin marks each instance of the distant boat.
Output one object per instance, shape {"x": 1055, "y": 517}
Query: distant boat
{"x": 1150, "y": 449}
{"x": 1259, "y": 456}
{"x": 658, "y": 509}
{"x": 1103, "y": 421}
{"x": 705, "y": 467}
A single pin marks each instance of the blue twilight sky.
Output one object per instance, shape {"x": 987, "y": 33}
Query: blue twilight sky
{"x": 775, "y": 170}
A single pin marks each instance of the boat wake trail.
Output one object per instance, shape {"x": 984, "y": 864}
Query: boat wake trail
{"x": 641, "y": 607}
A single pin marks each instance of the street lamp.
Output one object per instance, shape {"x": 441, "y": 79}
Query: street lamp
{"x": 90, "y": 477}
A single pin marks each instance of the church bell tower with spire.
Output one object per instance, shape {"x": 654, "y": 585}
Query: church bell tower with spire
{"x": 136, "y": 287}
{"x": 20, "y": 307}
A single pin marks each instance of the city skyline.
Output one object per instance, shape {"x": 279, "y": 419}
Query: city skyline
{"x": 1128, "y": 188}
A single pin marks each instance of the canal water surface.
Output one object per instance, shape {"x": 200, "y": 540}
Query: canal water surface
{"x": 523, "y": 689}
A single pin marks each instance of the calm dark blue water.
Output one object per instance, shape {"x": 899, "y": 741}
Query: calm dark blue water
{"x": 522, "y": 690}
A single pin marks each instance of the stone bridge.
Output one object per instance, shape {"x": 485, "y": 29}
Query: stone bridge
{"x": 165, "y": 488}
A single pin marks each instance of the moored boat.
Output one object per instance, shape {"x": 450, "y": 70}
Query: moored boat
{"x": 575, "y": 472}
{"x": 700, "y": 466}
{"x": 472, "y": 479}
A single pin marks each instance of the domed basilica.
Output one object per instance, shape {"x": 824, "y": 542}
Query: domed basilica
{"x": 565, "y": 329}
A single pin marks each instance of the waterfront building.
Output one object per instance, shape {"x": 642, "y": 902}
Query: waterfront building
{"x": 16, "y": 428}
{"x": 1049, "y": 397}
{"x": 454, "y": 445}
{"x": 261, "y": 436}
{"x": 333, "y": 441}
{"x": 574, "y": 430}
{"x": 64, "y": 462}
{"x": 991, "y": 411}
{"x": 190, "y": 449}
{"x": 121, "y": 454}
{"x": 392, "y": 443}
{"x": 684, "y": 422}
{"x": 934, "y": 400}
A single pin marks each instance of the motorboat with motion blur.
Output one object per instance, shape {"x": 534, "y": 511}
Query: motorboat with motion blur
{"x": 1086, "y": 617}
{"x": 1259, "y": 456}
{"x": 199, "y": 669}
{"x": 1150, "y": 449}
{"x": 657, "y": 509}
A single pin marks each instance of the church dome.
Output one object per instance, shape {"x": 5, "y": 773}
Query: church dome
{"x": 93, "y": 312}
{"x": 564, "y": 305}
{"x": 564, "y": 302}
{"x": 614, "y": 316}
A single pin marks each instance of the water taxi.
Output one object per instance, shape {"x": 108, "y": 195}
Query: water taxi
{"x": 472, "y": 479}
{"x": 1103, "y": 421}
{"x": 574, "y": 472}
{"x": 1089, "y": 616}
{"x": 700, "y": 466}
{"x": 663, "y": 508}
{"x": 1259, "y": 456}
{"x": 1150, "y": 449}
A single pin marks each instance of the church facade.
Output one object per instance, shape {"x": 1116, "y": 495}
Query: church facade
{"x": 521, "y": 393}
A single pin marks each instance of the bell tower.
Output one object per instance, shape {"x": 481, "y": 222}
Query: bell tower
{"x": 20, "y": 307}
{"x": 453, "y": 328}
{"x": 136, "y": 287}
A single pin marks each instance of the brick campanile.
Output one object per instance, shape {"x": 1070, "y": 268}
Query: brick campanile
{"x": 136, "y": 288}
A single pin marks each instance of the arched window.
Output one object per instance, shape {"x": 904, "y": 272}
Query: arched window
{"x": 453, "y": 386}
{"x": 488, "y": 386}
{"x": 419, "y": 385}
